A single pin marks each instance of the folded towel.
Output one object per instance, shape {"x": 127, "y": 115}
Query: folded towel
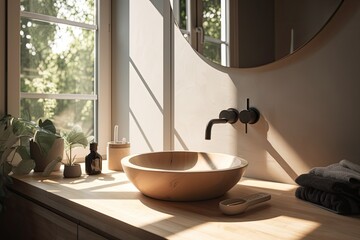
{"x": 330, "y": 185}
{"x": 350, "y": 165}
{"x": 337, "y": 171}
{"x": 332, "y": 201}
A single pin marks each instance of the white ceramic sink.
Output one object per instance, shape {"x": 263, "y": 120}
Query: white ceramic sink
{"x": 183, "y": 175}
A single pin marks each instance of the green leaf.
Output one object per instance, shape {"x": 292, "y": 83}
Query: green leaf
{"x": 7, "y": 138}
{"x": 45, "y": 140}
{"x": 24, "y": 167}
{"x": 6, "y": 153}
{"x": 23, "y": 127}
{"x": 26, "y": 164}
{"x": 47, "y": 125}
{"x": 50, "y": 167}
{"x": 7, "y": 168}
{"x": 75, "y": 138}
{"x": 11, "y": 141}
{"x": 23, "y": 152}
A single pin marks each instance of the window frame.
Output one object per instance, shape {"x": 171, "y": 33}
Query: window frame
{"x": 102, "y": 97}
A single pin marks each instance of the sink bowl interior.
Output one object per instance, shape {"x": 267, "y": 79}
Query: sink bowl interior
{"x": 183, "y": 175}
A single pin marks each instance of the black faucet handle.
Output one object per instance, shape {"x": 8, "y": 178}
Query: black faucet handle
{"x": 249, "y": 116}
{"x": 231, "y": 115}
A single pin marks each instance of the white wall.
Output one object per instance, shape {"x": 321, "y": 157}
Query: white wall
{"x": 308, "y": 101}
{"x": 140, "y": 74}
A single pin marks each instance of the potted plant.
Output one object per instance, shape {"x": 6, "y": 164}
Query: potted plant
{"x": 14, "y": 136}
{"x": 46, "y": 145}
{"x": 72, "y": 139}
{"x": 25, "y": 145}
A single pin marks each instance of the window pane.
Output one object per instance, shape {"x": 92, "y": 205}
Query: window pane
{"x": 56, "y": 58}
{"x": 212, "y": 18}
{"x": 64, "y": 113}
{"x": 75, "y": 10}
{"x": 181, "y": 15}
{"x": 212, "y": 51}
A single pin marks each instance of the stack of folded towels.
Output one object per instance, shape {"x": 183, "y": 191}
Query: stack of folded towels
{"x": 335, "y": 187}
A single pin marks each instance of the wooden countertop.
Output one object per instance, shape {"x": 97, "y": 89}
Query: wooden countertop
{"x": 111, "y": 205}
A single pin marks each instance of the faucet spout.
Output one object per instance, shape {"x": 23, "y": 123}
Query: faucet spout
{"x": 230, "y": 115}
{"x": 210, "y": 124}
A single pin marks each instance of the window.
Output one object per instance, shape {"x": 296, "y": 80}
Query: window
{"x": 205, "y": 23}
{"x": 57, "y": 72}
{"x": 57, "y": 62}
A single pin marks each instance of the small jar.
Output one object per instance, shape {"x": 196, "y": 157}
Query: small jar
{"x": 93, "y": 161}
{"x": 115, "y": 152}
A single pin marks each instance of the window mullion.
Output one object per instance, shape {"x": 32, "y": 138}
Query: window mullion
{"x": 51, "y": 19}
{"x": 215, "y": 40}
{"x": 60, "y": 96}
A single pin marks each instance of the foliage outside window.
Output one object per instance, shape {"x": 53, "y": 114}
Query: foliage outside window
{"x": 58, "y": 62}
{"x": 213, "y": 22}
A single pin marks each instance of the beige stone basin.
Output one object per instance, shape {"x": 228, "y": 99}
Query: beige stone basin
{"x": 183, "y": 175}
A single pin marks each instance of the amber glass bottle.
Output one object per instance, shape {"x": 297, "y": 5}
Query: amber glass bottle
{"x": 93, "y": 161}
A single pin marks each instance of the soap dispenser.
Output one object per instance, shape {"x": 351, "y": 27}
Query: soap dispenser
{"x": 93, "y": 161}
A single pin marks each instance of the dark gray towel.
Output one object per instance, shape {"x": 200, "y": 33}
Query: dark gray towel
{"x": 336, "y": 202}
{"x": 330, "y": 185}
{"x": 340, "y": 171}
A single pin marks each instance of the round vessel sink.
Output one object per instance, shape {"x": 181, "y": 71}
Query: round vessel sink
{"x": 183, "y": 175}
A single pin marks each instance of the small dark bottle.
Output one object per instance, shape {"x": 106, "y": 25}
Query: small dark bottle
{"x": 93, "y": 161}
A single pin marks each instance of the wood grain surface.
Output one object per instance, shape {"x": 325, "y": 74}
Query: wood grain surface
{"x": 110, "y": 205}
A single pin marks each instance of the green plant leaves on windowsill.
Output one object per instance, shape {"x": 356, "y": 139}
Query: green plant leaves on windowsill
{"x": 26, "y": 164}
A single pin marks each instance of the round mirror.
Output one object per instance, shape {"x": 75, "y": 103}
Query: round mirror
{"x": 250, "y": 33}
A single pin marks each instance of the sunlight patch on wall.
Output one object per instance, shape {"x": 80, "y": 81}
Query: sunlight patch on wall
{"x": 285, "y": 154}
{"x": 146, "y": 100}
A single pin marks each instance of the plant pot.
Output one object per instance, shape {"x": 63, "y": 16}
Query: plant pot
{"x": 42, "y": 160}
{"x": 72, "y": 171}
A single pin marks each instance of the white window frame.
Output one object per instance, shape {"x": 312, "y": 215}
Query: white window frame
{"x": 103, "y": 67}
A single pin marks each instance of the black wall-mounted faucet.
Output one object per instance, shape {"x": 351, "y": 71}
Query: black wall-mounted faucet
{"x": 230, "y": 115}
{"x": 249, "y": 116}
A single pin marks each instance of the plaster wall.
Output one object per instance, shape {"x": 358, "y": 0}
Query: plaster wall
{"x": 140, "y": 73}
{"x": 308, "y": 101}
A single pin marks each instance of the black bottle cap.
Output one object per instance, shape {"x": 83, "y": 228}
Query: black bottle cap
{"x": 93, "y": 146}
